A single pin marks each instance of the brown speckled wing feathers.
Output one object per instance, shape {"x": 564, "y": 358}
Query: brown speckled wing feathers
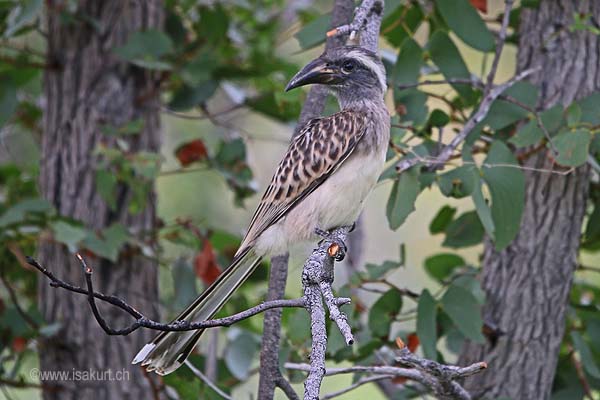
{"x": 314, "y": 154}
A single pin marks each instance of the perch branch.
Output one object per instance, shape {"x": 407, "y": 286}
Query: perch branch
{"x": 141, "y": 321}
{"x": 317, "y": 277}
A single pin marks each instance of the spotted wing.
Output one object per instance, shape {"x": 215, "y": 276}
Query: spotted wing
{"x": 314, "y": 154}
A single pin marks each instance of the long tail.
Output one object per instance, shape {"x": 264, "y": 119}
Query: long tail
{"x": 169, "y": 350}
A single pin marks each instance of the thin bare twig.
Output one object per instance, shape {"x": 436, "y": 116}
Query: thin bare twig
{"x": 360, "y": 382}
{"x": 142, "y": 322}
{"x": 475, "y": 119}
{"x": 205, "y": 379}
{"x": 15, "y": 300}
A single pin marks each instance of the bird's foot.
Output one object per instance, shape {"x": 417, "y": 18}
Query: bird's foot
{"x": 337, "y": 249}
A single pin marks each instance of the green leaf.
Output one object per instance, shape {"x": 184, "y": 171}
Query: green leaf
{"x": 446, "y": 56}
{"x": 402, "y": 198}
{"x": 8, "y": 100}
{"x": 411, "y": 16}
{"x": 464, "y": 311}
{"x": 383, "y": 312}
{"x": 150, "y": 43}
{"x": 19, "y": 211}
{"x": 590, "y": 112}
{"x": 108, "y": 242}
{"x": 507, "y": 189}
{"x": 438, "y": 118}
{"x": 442, "y": 219}
{"x": 573, "y": 147}
{"x": 408, "y": 64}
{"x": 200, "y": 69}
{"x": 240, "y": 353}
{"x": 593, "y": 331}
{"x": 298, "y": 327}
{"x": 413, "y": 104}
{"x": 464, "y": 20}
{"x": 68, "y": 234}
{"x": 573, "y": 114}
{"x": 144, "y": 48}
{"x": 464, "y": 231}
{"x": 503, "y": 113}
{"x": 214, "y": 23}
{"x": 440, "y": 266}
{"x": 187, "y": 97}
{"x": 530, "y": 133}
{"x": 21, "y": 15}
{"x": 459, "y": 182}
{"x": 314, "y": 33}
{"x": 483, "y": 210}
{"x": 106, "y": 184}
{"x": 426, "y": 324}
{"x": 377, "y": 271}
{"x": 587, "y": 358}
{"x": 527, "y": 135}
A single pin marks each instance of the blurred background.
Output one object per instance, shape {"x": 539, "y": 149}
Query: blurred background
{"x": 220, "y": 69}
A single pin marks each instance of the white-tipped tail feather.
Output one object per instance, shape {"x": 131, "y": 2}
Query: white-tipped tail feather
{"x": 169, "y": 350}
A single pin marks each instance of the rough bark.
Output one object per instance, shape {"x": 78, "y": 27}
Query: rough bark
{"x": 92, "y": 88}
{"x": 269, "y": 354}
{"x": 527, "y": 284}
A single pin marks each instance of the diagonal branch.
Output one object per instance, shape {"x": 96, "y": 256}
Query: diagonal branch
{"x": 472, "y": 122}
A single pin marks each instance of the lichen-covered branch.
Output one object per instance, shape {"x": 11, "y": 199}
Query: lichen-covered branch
{"x": 317, "y": 277}
{"x": 439, "y": 379}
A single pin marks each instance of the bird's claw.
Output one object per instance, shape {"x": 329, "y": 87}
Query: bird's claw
{"x": 337, "y": 249}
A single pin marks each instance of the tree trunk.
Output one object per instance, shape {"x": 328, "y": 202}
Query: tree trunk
{"x": 92, "y": 88}
{"x": 528, "y": 283}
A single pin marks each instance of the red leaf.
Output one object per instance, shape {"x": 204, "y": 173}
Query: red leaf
{"x": 413, "y": 342}
{"x": 191, "y": 152}
{"x": 19, "y": 344}
{"x": 205, "y": 264}
{"x": 481, "y": 5}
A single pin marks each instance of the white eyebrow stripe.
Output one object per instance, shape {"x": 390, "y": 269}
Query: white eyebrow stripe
{"x": 372, "y": 65}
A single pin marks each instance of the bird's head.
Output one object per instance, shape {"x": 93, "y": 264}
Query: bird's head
{"x": 351, "y": 72}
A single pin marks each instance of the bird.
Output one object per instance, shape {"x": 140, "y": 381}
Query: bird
{"x": 321, "y": 183}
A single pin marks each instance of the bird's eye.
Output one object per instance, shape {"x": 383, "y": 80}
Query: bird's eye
{"x": 348, "y": 66}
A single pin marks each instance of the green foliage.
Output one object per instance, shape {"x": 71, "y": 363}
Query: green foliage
{"x": 383, "y": 313}
{"x": 210, "y": 58}
{"x": 402, "y": 199}
{"x": 464, "y": 20}
{"x": 464, "y": 231}
{"x": 426, "y": 324}
{"x": 507, "y": 189}
{"x": 441, "y": 266}
{"x": 464, "y": 311}
{"x": 146, "y": 48}
{"x": 573, "y": 147}
{"x": 446, "y": 56}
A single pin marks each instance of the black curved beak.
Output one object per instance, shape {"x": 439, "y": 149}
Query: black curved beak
{"x": 317, "y": 71}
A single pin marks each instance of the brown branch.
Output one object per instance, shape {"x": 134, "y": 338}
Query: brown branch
{"x": 15, "y": 300}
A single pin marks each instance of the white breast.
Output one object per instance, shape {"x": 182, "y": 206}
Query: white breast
{"x": 337, "y": 202}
